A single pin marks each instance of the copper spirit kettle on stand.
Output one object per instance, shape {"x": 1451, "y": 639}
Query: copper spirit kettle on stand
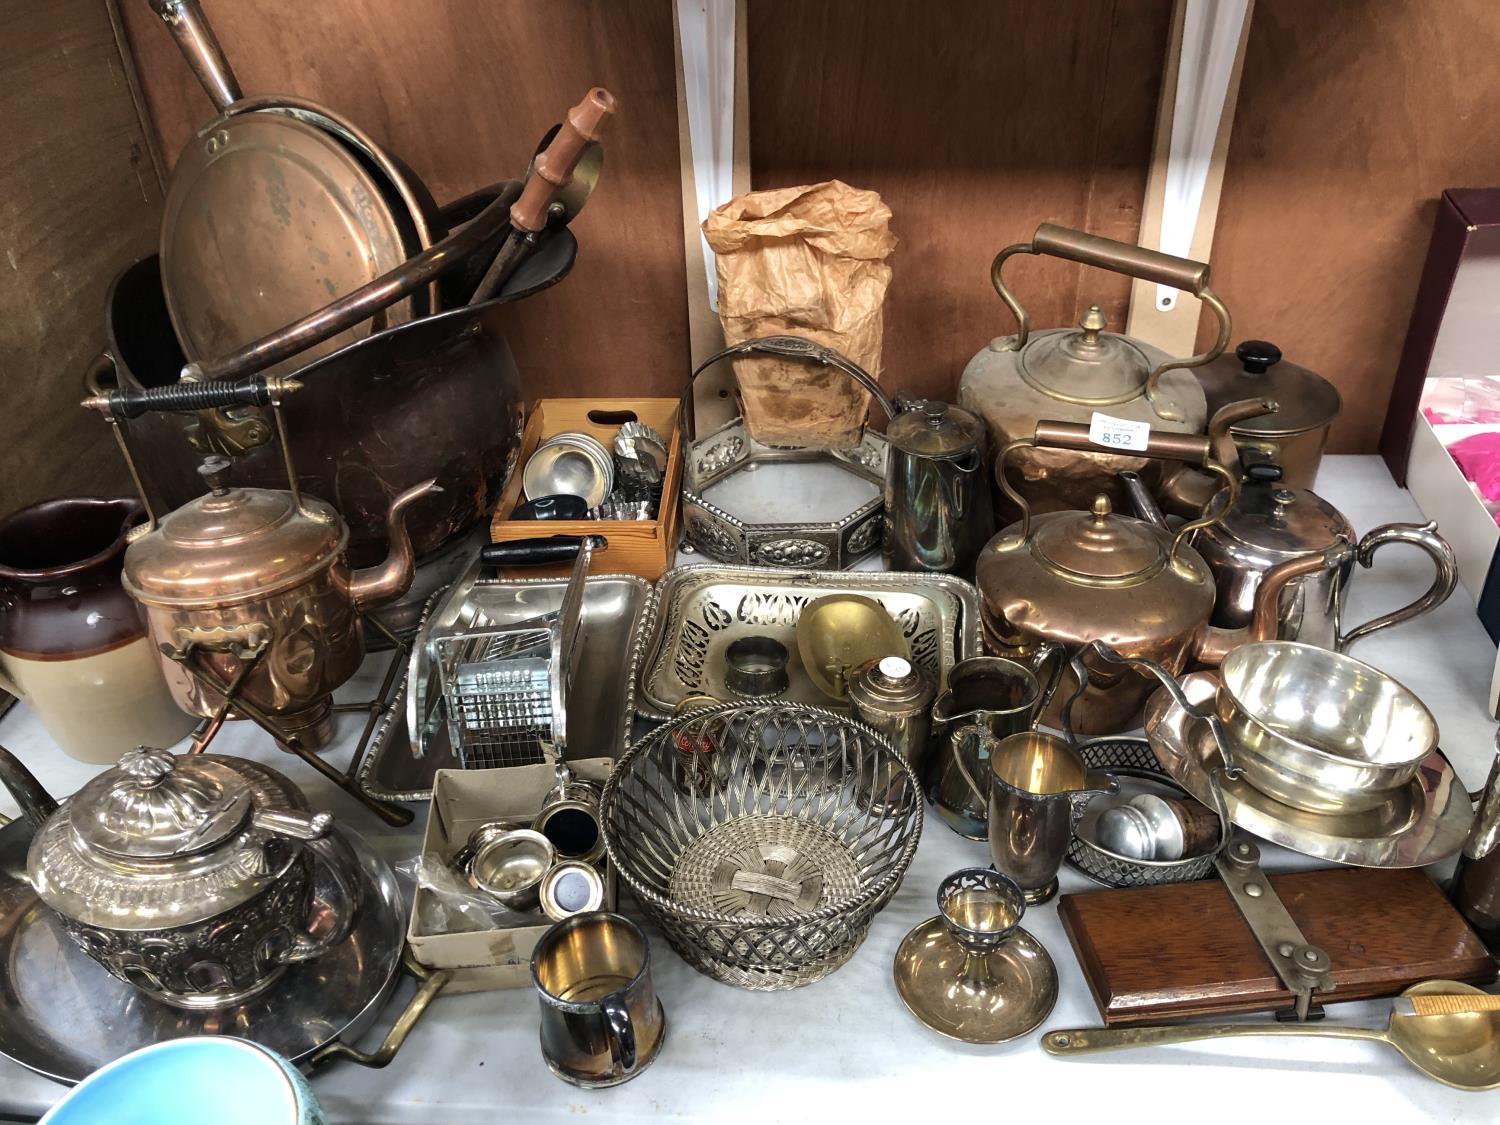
{"x": 248, "y": 592}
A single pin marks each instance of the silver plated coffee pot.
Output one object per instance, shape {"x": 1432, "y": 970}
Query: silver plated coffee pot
{"x": 937, "y": 495}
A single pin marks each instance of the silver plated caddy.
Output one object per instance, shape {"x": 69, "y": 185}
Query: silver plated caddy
{"x": 697, "y": 612}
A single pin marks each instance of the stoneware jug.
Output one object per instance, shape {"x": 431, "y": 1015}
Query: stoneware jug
{"x": 72, "y": 643}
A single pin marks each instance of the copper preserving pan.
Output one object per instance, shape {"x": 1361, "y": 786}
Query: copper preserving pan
{"x": 436, "y": 397}
{"x": 274, "y": 207}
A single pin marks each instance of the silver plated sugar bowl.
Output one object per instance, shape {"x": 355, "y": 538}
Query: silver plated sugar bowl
{"x": 191, "y": 877}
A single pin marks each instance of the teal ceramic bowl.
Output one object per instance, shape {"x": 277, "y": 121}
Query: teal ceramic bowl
{"x": 193, "y": 1081}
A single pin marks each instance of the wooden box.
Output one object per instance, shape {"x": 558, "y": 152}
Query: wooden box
{"x": 1152, "y": 954}
{"x": 644, "y": 548}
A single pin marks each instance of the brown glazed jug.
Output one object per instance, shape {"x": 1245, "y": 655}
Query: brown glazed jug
{"x": 73, "y": 644}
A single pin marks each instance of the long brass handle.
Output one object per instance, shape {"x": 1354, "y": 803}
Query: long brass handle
{"x": 196, "y": 39}
{"x": 364, "y": 302}
{"x": 1120, "y": 257}
{"x": 1134, "y": 261}
{"x": 1087, "y": 1040}
{"x": 432, "y": 983}
{"x": 1160, "y": 445}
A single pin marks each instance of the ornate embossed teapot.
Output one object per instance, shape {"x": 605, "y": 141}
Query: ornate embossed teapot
{"x": 192, "y": 877}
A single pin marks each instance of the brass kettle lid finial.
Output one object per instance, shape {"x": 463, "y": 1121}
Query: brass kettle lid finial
{"x": 1101, "y": 508}
{"x": 1093, "y": 322}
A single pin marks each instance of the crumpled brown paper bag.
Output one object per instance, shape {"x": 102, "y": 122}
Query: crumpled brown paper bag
{"x": 805, "y": 261}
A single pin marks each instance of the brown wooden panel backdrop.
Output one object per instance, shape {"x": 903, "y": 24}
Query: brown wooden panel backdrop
{"x": 79, "y": 198}
{"x": 462, "y": 91}
{"x": 1353, "y": 117}
{"x": 976, "y": 121}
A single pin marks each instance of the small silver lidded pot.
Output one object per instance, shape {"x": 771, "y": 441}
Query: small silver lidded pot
{"x": 192, "y": 878}
{"x": 894, "y": 696}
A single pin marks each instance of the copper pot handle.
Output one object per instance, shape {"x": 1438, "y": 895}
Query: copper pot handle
{"x": 198, "y": 44}
{"x": 553, "y": 169}
{"x": 1133, "y": 261}
{"x": 1160, "y": 445}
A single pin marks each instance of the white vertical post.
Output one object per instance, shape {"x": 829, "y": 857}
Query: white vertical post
{"x": 713, "y": 144}
{"x": 1194, "y": 120}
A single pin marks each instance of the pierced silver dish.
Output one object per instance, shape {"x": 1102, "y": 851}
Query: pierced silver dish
{"x": 697, "y": 612}
{"x": 730, "y": 537}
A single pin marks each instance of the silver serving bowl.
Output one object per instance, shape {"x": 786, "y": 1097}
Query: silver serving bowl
{"x": 1320, "y": 731}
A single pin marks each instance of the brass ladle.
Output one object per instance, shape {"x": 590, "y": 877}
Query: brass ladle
{"x": 1458, "y": 1049}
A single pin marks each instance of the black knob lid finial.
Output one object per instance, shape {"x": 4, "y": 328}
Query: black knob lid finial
{"x": 215, "y": 473}
{"x": 1257, "y": 355}
{"x": 1263, "y": 472}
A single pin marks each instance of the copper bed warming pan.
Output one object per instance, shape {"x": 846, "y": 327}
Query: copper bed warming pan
{"x": 276, "y": 206}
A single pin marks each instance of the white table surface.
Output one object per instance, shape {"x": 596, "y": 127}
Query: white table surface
{"x": 845, "y": 1049}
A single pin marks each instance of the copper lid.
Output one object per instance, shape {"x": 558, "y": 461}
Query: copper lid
{"x": 232, "y": 545}
{"x": 1306, "y": 400}
{"x": 1099, "y": 545}
{"x": 1271, "y": 516}
{"x": 935, "y": 429}
{"x": 1089, "y": 366}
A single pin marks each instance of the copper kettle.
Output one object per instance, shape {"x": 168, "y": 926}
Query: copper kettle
{"x": 252, "y": 586}
{"x": 1075, "y": 577}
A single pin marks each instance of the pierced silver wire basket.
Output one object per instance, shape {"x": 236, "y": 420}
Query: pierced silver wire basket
{"x": 1131, "y": 757}
{"x": 765, "y": 860}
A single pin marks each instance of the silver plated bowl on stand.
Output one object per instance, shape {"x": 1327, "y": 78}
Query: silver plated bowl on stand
{"x": 761, "y": 868}
{"x": 1420, "y": 824}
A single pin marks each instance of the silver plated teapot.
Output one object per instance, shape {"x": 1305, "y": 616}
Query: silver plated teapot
{"x": 1271, "y": 523}
{"x": 192, "y": 877}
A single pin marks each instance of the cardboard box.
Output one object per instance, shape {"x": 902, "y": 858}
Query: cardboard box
{"x": 644, "y": 548}
{"x": 462, "y": 800}
{"x": 1454, "y": 335}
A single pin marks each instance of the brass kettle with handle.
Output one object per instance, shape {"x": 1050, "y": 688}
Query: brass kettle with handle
{"x": 1075, "y": 577}
{"x": 1015, "y": 381}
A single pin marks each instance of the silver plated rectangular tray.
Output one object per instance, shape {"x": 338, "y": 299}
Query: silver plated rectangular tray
{"x": 614, "y": 609}
{"x": 697, "y": 611}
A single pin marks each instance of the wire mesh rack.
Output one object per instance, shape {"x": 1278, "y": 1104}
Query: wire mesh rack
{"x": 497, "y": 694}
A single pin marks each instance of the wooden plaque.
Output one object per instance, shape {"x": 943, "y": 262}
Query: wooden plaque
{"x": 1160, "y": 953}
